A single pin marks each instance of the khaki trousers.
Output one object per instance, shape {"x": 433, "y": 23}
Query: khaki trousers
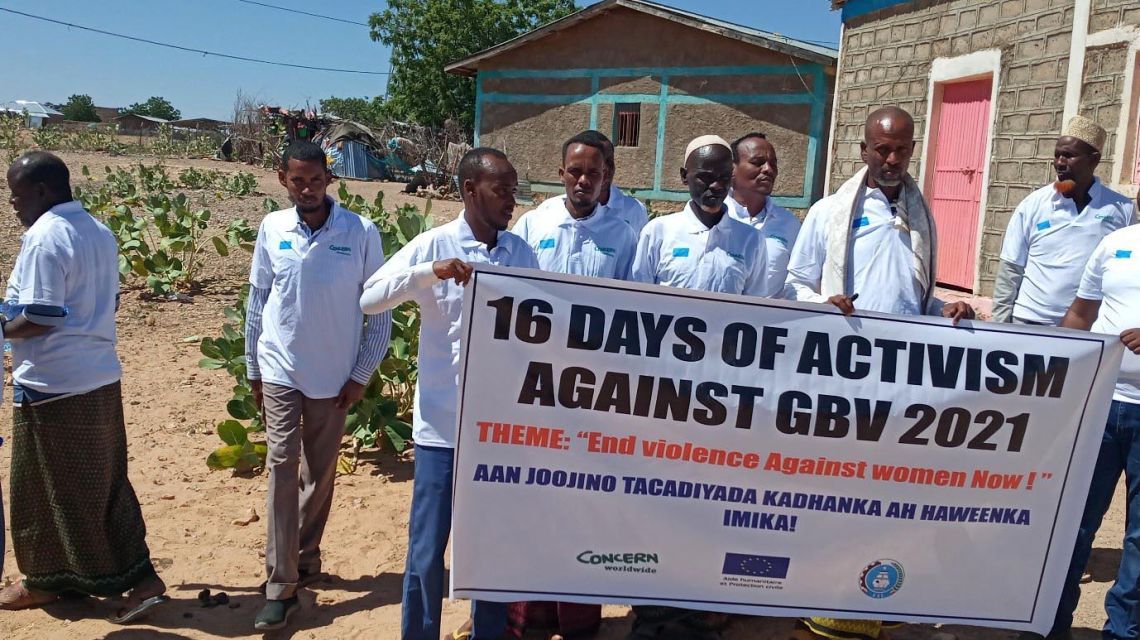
{"x": 303, "y": 437}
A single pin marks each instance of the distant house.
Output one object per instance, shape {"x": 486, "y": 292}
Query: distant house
{"x": 133, "y": 124}
{"x": 652, "y": 78}
{"x": 990, "y": 85}
{"x": 38, "y": 114}
{"x": 108, "y": 114}
{"x": 201, "y": 124}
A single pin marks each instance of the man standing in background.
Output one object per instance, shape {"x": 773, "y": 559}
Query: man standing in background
{"x": 309, "y": 355}
{"x": 753, "y": 178}
{"x": 1054, "y": 230}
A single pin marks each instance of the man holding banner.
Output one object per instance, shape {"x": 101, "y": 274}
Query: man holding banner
{"x": 874, "y": 239}
{"x": 1108, "y": 302}
{"x": 431, "y": 270}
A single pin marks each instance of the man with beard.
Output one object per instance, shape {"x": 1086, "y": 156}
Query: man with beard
{"x": 703, "y": 247}
{"x": 431, "y": 270}
{"x": 873, "y": 240}
{"x": 753, "y": 178}
{"x": 1054, "y": 230}
{"x": 576, "y": 234}
{"x": 309, "y": 352}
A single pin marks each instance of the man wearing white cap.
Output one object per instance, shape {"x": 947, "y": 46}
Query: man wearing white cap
{"x": 1055, "y": 229}
{"x": 874, "y": 242}
{"x": 702, "y": 247}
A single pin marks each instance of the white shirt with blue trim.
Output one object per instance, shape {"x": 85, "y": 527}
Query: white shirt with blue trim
{"x": 1112, "y": 276}
{"x": 407, "y": 276}
{"x": 311, "y": 325}
{"x": 778, "y": 229}
{"x": 1052, "y": 241}
{"x": 68, "y": 266}
{"x": 628, "y": 208}
{"x": 599, "y": 245}
{"x": 880, "y": 262}
{"x": 678, "y": 250}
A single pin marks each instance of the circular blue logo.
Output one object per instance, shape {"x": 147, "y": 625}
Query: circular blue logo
{"x": 882, "y": 578}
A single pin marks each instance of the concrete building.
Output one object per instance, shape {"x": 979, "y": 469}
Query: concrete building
{"x": 990, "y": 84}
{"x": 652, "y": 78}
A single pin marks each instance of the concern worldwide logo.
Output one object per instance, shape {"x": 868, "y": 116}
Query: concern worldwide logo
{"x": 627, "y": 562}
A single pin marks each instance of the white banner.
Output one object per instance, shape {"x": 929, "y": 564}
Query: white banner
{"x": 623, "y": 443}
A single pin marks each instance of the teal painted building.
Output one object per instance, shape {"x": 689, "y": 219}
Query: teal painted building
{"x": 652, "y": 78}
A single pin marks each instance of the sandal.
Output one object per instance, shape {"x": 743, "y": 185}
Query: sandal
{"x": 138, "y": 612}
{"x": 20, "y": 596}
{"x": 465, "y": 632}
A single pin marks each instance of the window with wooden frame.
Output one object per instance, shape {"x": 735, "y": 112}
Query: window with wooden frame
{"x": 627, "y": 124}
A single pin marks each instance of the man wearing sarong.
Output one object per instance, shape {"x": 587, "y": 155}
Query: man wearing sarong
{"x": 1054, "y": 230}
{"x": 873, "y": 242}
{"x": 432, "y": 270}
{"x": 702, "y": 247}
{"x": 76, "y": 523}
{"x": 575, "y": 234}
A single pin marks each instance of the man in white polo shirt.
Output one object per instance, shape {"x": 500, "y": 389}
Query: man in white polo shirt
{"x": 1054, "y": 230}
{"x": 872, "y": 242}
{"x": 431, "y": 270}
{"x": 702, "y": 246}
{"x": 76, "y": 523}
{"x": 575, "y": 234}
{"x": 1108, "y": 301}
{"x": 753, "y": 177}
{"x": 309, "y": 355}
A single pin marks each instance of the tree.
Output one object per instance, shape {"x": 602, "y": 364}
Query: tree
{"x": 427, "y": 35}
{"x": 81, "y": 108}
{"x": 155, "y": 107}
{"x": 367, "y": 111}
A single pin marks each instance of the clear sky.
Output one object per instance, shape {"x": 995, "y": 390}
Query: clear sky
{"x": 49, "y": 62}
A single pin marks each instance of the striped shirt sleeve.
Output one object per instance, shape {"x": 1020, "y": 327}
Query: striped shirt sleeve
{"x": 253, "y": 310}
{"x": 377, "y": 331}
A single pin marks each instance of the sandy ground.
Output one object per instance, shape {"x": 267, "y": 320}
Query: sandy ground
{"x": 172, "y": 407}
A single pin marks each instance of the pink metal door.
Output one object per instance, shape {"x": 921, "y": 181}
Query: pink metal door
{"x": 959, "y": 151}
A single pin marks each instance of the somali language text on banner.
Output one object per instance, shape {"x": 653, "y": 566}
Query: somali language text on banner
{"x": 632, "y": 444}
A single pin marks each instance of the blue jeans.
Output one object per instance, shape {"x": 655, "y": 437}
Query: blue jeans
{"x": 428, "y": 531}
{"x": 1119, "y": 452}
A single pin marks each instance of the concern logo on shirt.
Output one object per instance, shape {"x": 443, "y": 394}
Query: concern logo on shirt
{"x": 340, "y": 249}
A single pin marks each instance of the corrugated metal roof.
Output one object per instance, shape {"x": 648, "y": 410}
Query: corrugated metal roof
{"x": 766, "y": 39}
{"x": 33, "y": 108}
{"x": 760, "y": 33}
{"x": 139, "y": 115}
